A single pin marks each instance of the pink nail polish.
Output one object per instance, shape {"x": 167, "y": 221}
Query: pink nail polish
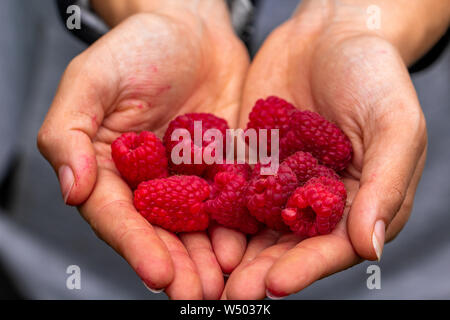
{"x": 66, "y": 181}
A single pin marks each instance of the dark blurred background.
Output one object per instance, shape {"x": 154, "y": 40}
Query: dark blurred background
{"x": 40, "y": 237}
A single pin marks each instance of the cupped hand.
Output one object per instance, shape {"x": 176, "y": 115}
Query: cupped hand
{"x": 149, "y": 69}
{"x": 358, "y": 80}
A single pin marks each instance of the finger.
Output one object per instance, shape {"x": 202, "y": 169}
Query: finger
{"x": 309, "y": 261}
{"x": 110, "y": 212}
{"x": 65, "y": 138}
{"x": 200, "y": 250}
{"x": 390, "y": 159}
{"x": 403, "y": 214}
{"x": 186, "y": 284}
{"x": 262, "y": 240}
{"x": 248, "y": 282}
{"x": 229, "y": 246}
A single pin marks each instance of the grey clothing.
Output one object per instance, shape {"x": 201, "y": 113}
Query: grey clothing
{"x": 40, "y": 237}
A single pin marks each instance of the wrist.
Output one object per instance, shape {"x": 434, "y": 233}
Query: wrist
{"x": 113, "y": 12}
{"x": 412, "y": 27}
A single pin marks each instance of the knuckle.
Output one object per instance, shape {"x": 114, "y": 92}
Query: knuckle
{"x": 418, "y": 127}
{"x": 43, "y": 139}
{"x": 78, "y": 65}
{"x": 76, "y": 62}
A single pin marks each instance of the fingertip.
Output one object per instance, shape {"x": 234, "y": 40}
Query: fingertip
{"x": 156, "y": 274}
{"x": 199, "y": 248}
{"x": 213, "y": 292}
{"x": 77, "y": 179}
{"x": 274, "y": 295}
{"x": 186, "y": 283}
{"x": 229, "y": 247}
{"x": 245, "y": 286}
{"x": 154, "y": 291}
{"x": 279, "y": 282}
{"x": 248, "y": 283}
{"x": 378, "y": 238}
{"x": 362, "y": 241}
{"x": 212, "y": 279}
{"x": 227, "y": 265}
{"x": 153, "y": 264}
{"x": 189, "y": 289}
{"x": 361, "y": 223}
{"x": 66, "y": 180}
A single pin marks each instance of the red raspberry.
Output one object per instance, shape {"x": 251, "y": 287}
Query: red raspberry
{"x": 305, "y": 166}
{"x": 227, "y": 205}
{"x": 272, "y": 113}
{"x": 289, "y": 144}
{"x": 323, "y": 139}
{"x": 175, "y": 203}
{"x": 139, "y": 157}
{"x": 323, "y": 171}
{"x": 208, "y": 121}
{"x": 256, "y": 172}
{"x": 315, "y": 208}
{"x": 241, "y": 169}
{"x": 267, "y": 195}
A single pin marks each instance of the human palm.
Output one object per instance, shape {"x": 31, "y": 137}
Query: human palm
{"x": 153, "y": 67}
{"x": 138, "y": 77}
{"x": 358, "y": 81}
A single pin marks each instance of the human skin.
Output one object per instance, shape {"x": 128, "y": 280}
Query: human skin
{"x": 327, "y": 60}
{"x": 164, "y": 58}
{"x": 161, "y": 59}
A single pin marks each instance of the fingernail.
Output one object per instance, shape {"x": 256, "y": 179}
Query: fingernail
{"x": 378, "y": 238}
{"x": 271, "y": 296}
{"x": 156, "y": 291}
{"x": 66, "y": 180}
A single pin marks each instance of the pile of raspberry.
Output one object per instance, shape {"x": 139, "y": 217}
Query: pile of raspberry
{"x": 306, "y": 195}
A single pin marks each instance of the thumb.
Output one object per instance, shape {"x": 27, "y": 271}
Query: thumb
{"x": 65, "y": 138}
{"x": 390, "y": 160}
